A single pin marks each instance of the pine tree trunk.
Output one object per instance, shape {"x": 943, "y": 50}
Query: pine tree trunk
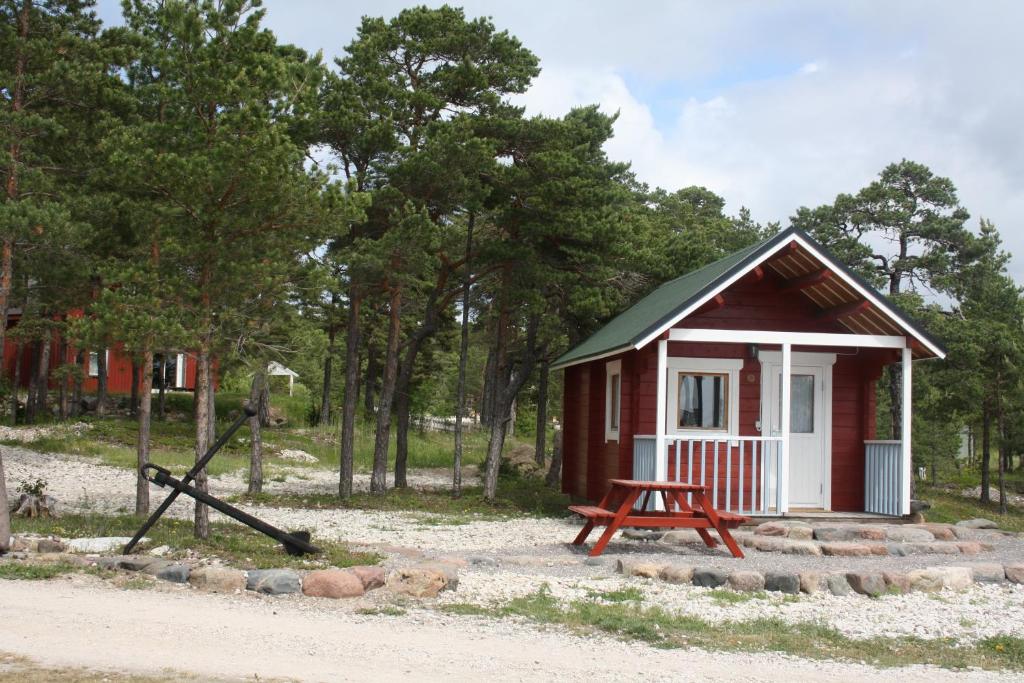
{"x": 101, "y": 382}
{"x": 43, "y": 381}
{"x": 351, "y": 398}
{"x": 401, "y": 436}
{"x": 5, "y": 510}
{"x": 460, "y": 400}
{"x": 370, "y": 380}
{"x": 986, "y": 452}
{"x": 33, "y": 384}
{"x": 202, "y": 422}
{"x": 19, "y": 351}
{"x": 1003, "y": 449}
{"x": 145, "y": 421}
{"x": 63, "y": 389}
{"x": 555, "y": 471}
{"x": 161, "y": 397}
{"x": 76, "y": 385}
{"x": 133, "y": 400}
{"x": 490, "y": 383}
{"x": 542, "y": 414}
{"x": 257, "y": 394}
{"x": 325, "y": 398}
{"x": 382, "y": 437}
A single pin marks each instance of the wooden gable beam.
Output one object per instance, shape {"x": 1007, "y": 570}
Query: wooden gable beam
{"x": 713, "y": 304}
{"x": 788, "y": 250}
{"x": 755, "y": 275}
{"x": 844, "y": 310}
{"x": 804, "y": 281}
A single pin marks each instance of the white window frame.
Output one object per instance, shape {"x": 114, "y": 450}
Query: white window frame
{"x": 705, "y": 366}
{"x": 612, "y": 369}
{"x": 94, "y": 357}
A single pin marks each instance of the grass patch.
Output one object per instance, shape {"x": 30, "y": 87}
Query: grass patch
{"x": 629, "y": 594}
{"x": 724, "y": 596}
{"x": 516, "y": 496}
{"x": 34, "y": 572}
{"x": 237, "y": 545}
{"x": 386, "y": 610}
{"x": 950, "y": 507}
{"x": 659, "y": 628}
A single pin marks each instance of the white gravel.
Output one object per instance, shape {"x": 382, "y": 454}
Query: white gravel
{"x": 523, "y": 554}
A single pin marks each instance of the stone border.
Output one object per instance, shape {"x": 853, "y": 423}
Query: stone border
{"x": 837, "y": 582}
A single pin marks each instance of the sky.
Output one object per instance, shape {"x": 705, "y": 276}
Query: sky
{"x": 772, "y": 105}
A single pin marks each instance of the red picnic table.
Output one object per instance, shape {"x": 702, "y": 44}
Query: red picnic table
{"x": 616, "y": 511}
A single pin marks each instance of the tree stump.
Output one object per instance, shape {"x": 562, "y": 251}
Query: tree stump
{"x": 29, "y": 505}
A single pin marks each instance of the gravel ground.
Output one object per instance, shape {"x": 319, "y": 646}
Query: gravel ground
{"x": 510, "y": 558}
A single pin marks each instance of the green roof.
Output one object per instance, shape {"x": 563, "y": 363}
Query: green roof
{"x": 629, "y": 327}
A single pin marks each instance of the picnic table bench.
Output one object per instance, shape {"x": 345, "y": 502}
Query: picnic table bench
{"x": 616, "y": 510}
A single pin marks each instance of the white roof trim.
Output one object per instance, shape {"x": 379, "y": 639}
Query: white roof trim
{"x": 614, "y": 352}
{"x": 837, "y": 270}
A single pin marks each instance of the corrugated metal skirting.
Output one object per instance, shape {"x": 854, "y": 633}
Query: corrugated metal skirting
{"x": 883, "y": 477}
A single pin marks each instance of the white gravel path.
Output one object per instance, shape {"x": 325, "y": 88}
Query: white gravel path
{"x": 520, "y": 555}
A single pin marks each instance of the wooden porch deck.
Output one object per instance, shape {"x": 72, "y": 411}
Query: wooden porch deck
{"x": 820, "y": 516}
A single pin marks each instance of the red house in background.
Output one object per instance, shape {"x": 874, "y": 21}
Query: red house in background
{"x": 180, "y": 367}
{"x": 754, "y": 376}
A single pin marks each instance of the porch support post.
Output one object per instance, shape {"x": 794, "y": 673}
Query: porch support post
{"x": 907, "y": 414}
{"x": 660, "y": 447}
{"x": 787, "y": 371}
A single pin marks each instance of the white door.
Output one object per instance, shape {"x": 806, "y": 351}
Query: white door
{"x": 807, "y": 431}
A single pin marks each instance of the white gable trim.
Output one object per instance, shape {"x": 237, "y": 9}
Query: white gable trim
{"x": 829, "y": 263}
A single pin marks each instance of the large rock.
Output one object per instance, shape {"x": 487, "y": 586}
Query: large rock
{"x": 332, "y": 583}
{"x": 850, "y": 532}
{"x": 769, "y": 544}
{"x": 372, "y": 576}
{"x": 140, "y": 563}
{"x": 642, "y": 534}
{"x": 977, "y": 523}
{"x": 676, "y": 573}
{"x": 681, "y": 537}
{"x": 969, "y": 547}
{"x": 934, "y": 579}
{"x": 896, "y": 582}
{"x": 647, "y": 570}
{"x": 908, "y": 534}
{"x": 866, "y": 583}
{"x": 772, "y": 529}
{"x": 273, "y": 581}
{"x": 941, "y": 532}
{"x": 838, "y": 585}
{"x": 784, "y": 582}
{"x": 841, "y": 549}
{"x": 792, "y": 547}
{"x": 746, "y": 581}
{"x": 50, "y": 545}
{"x": 801, "y": 533}
{"x": 422, "y": 581}
{"x": 101, "y": 545}
{"x": 175, "y": 573}
{"x": 813, "y": 582}
{"x": 217, "y": 579}
{"x": 987, "y": 572}
{"x": 709, "y": 577}
{"x": 1014, "y": 572}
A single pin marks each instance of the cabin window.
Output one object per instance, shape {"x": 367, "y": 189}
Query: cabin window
{"x": 613, "y": 400}
{"x": 703, "y": 401}
{"x": 702, "y": 396}
{"x": 94, "y": 363}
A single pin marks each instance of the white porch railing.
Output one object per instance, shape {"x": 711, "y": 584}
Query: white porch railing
{"x": 883, "y": 477}
{"x": 741, "y": 472}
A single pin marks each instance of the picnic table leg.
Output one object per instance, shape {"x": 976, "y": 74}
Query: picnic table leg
{"x": 584, "y": 532}
{"x": 680, "y": 499}
{"x": 719, "y": 526}
{"x": 615, "y": 523}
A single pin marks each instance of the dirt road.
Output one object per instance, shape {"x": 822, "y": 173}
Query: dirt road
{"x": 79, "y": 621}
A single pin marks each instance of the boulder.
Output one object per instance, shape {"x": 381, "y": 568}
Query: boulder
{"x": 877, "y": 548}
{"x": 969, "y": 547}
{"x": 850, "y": 532}
{"x": 50, "y": 545}
{"x": 866, "y": 583}
{"x": 1014, "y": 572}
{"x": 769, "y": 544}
{"x": 594, "y": 561}
{"x": 771, "y": 529}
{"x": 332, "y": 583}
{"x": 746, "y": 581}
{"x": 646, "y": 570}
{"x": 138, "y": 563}
{"x": 908, "y": 534}
{"x": 676, "y": 573}
{"x": 845, "y": 549}
{"x": 99, "y": 546}
{"x": 838, "y": 585}
{"x": 783, "y": 582}
{"x": 371, "y": 576}
{"x": 709, "y": 577}
{"x": 420, "y": 581}
{"x": 977, "y": 523}
{"x": 965, "y": 533}
{"x": 896, "y": 582}
{"x": 987, "y": 572}
{"x": 681, "y": 537}
{"x": 642, "y": 534}
{"x": 273, "y": 581}
{"x": 801, "y": 533}
{"x": 813, "y": 582}
{"x": 941, "y": 532}
{"x": 175, "y": 573}
{"x": 934, "y": 579}
{"x": 217, "y": 579}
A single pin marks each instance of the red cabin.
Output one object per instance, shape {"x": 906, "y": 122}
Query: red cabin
{"x": 754, "y": 376}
